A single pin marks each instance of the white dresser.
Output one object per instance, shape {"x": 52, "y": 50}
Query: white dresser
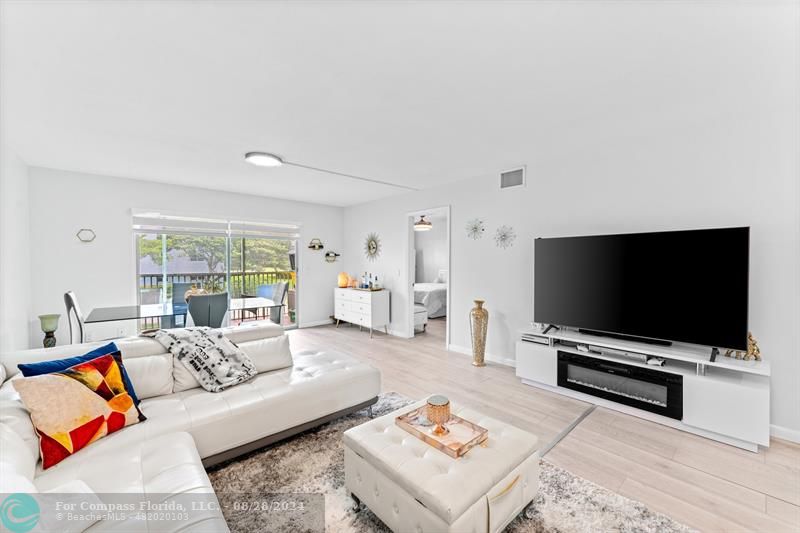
{"x": 369, "y": 309}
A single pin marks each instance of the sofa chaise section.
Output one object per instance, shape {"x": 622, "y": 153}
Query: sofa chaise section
{"x": 188, "y": 428}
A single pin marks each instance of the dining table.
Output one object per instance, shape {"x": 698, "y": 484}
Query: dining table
{"x": 172, "y": 314}
{"x": 167, "y": 313}
{"x": 253, "y": 304}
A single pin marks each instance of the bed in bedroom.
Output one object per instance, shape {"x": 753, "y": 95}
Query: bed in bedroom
{"x": 433, "y": 296}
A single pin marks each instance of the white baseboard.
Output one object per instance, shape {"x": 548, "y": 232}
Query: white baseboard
{"x": 781, "y": 432}
{"x": 398, "y": 333}
{"x": 316, "y": 323}
{"x": 489, "y": 357}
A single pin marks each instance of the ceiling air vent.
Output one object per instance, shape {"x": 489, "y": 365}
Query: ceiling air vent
{"x": 512, "y": 178}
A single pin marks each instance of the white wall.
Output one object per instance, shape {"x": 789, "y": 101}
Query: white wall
{"x": 15, "y": 262}
{"x": 103, "y": 273}
{"x": 718, "y": 147}
{"x": 431, "y": 250}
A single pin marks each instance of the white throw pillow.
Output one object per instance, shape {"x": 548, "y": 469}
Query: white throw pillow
{"x": 253, "y": 331}
{"x": 151, "y": 375}
{"x": 269, "y": 354}
{"x": 182, "y": 379}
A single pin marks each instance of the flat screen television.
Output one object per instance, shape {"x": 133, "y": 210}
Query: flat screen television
{"x": 687, "y": 286}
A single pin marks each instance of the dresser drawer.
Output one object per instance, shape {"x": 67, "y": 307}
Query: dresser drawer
{"x": 360, "y": 296}
{"x": 354, "y": 318}
{"x": 361, "y": 308}
{"x": 355, "y": 307}
{"x": 342, "y": 294}
{"x": 344, "y": 315}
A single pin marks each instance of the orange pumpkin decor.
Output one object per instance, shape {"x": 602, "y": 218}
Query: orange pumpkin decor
{"x": 344, "y": 280}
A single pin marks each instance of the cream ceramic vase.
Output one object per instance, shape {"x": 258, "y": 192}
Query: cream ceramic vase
{"x": 478, "y": 324}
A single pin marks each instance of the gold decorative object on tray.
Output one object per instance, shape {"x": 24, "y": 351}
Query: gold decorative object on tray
{"x": 438, "y": 411}
{"x": 461, "y": 437}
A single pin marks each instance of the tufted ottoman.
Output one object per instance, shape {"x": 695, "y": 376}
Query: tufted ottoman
{"x": 414, "y": 487}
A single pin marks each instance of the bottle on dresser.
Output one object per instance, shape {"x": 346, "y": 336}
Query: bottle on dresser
{"x": 369, "y": 284}
{"x": 375, "y": 284}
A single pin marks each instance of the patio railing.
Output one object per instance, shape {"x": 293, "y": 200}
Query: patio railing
{"x": 242, "y": 283}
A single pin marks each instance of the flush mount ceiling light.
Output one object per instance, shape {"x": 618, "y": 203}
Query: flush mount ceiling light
{"x": 422, "y": 224}
{"x": 263, "y": 159}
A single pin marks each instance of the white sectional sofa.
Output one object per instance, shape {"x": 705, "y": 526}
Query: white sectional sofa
{"x": 186, "y": 427}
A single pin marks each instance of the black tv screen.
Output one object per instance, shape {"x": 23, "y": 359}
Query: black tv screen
{"x": 687, "y": 286}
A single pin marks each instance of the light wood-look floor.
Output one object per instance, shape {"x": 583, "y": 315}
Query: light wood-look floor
{"x": 704, "y": 484}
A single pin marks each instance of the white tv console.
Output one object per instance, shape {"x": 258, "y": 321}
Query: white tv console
{"x": 727, "y": 400}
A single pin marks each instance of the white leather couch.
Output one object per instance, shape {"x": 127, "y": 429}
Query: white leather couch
{"x": 186, "y": 426}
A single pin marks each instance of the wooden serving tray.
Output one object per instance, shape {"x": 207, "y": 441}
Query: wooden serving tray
{"x": 367, "y": 290}
{"x": 463, "y": 435}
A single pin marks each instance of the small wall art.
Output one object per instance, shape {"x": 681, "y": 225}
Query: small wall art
{"x": 475, "y": 229}
{"x": 504, "y": 237}
{"x": 86, "y": 235}
{"x": 372, "y": 246}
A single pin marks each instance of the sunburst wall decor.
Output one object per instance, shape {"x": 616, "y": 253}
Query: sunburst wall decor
{"x": 475, "y": 229}
{"x": 372, "y": 246}
{"x": 504, "y": 237}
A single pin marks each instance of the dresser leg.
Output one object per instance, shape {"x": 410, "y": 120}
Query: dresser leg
{"x": 337, "y": 322}
{"x": 359, "y": 327}
{"x": 386, "y": 329}
{"x": 370, "y": 332}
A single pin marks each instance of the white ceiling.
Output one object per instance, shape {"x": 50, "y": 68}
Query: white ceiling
{"x": 415, "y": 93}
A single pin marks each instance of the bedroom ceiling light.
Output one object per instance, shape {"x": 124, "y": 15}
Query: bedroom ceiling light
{"x": 263, "y": 159}
{"x": 422, "y": 224}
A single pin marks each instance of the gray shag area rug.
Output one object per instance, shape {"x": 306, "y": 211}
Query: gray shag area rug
{"x": 311, "y": 466}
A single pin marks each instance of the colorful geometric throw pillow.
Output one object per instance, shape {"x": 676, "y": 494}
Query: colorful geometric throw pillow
{"x": 77, "y": 406}
{"x": 57, "y": 365}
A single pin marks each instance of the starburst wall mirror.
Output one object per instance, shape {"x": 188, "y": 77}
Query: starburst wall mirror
{"x": 372, "y": 246}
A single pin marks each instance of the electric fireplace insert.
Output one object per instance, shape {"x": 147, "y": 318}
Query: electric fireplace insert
{"x": 652, "y": 390}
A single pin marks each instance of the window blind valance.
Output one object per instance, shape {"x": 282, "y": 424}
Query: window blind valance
{"x": 156, "y": 222}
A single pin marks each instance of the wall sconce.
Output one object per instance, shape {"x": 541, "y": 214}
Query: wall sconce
{"x": 331, "y": 256}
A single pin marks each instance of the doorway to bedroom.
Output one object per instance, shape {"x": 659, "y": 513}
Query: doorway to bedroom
{"x": 429, "y": 273}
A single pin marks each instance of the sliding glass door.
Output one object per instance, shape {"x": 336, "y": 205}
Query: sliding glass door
{"x": 184, "y": 261}
{"x": 244, "y": 260}
{"x": 265, "y": 268}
